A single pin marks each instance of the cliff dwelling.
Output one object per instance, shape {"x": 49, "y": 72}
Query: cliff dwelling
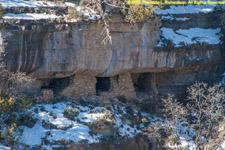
{"x": 112, "y": 75}
{"x": 102, "y": 85}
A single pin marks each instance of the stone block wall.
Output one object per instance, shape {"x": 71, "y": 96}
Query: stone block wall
{"x": 121, "y": 85}
{"x": 83, "y": 85}
{"x": 126, "y": 87}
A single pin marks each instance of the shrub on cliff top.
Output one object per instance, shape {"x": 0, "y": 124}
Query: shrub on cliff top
{"x": 131, "y": 13}
{"x": 72, "y": 14}
{"x": 138, "y": 13}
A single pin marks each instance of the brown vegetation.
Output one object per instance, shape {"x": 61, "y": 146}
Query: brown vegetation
{"x": 203, "y": 114}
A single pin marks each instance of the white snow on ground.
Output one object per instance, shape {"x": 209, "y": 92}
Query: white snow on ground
{"x": 78, "y": 132}
{"x": 184, "y": 133}
{"x": 122, "y": 124}
{"x": 4, "y": 147}
{"x": 223, "y": 145}
{"x": 33, "y": 136}
{"x": 185, "y": 138}
{"x": 30, "y": 16}
{"x": 126, "y": 130}
{"x": 23, "y": 3}
{"x": 69, "y": 4}
{"x": 189, "y": 9}
{"x": 189, "y": 145}
{"x": 174, "y": 18}
{"x": 71, "y": 130}
{"x": 60, "y": 120}
{"x": 90, "y": 117}
{"x": 87, "y": 12}
{"x": 190, "y": 36}
{"x": 84, "y": 11}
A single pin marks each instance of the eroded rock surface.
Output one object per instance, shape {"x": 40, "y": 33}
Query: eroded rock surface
{"x": 52, "y": 50}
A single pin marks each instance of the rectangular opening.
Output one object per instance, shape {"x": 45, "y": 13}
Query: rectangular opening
{"x": 142, "y": 82}
{"x": 102, "y": 85}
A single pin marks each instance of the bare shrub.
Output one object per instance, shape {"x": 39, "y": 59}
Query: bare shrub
{"x": 157, "y": 134}
{"x": 203, "y": 115}
{"x": 14, "y": 79}
{"x": 164, "y": 132}
{"x": 106, "y": 33}
{"x": 206, "y": 107}
{"x": 18, "y": 77}
{"x": 173, "y": 110}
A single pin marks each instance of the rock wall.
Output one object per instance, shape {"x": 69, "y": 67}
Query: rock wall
{"x": 85, "y": 85}
{"x": 121, "y": 85}
{"x": 82, "y": 85}
{"x": 137, "y": 143}
{"x": 51, "y": 50}
{"x": 57, "y": 51}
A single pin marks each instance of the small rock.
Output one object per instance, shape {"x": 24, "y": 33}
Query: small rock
{"x": 61, "y": 127}
{"x": 47, "y": 95}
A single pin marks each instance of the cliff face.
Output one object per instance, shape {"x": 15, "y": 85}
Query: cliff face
{"x": 187, "y": 48}
{"x": 49, "y": 51}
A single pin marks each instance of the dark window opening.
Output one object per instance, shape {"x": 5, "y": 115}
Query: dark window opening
{"x": 117, "y": 78}
{"x": 142, "y": 82}
{"x": 57, "y": 84}
{"x": 103, "y": 84}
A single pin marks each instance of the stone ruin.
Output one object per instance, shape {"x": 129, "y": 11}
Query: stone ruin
{"x": 67, "y": 59}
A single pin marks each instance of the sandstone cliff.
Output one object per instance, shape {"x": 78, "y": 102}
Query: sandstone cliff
{"x": 188, "y": 47}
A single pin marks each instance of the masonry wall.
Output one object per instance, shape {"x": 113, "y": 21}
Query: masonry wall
{"x": 85, "y": 85}
{"x": 121, "y": 85}
{"x": 126, "y": 87}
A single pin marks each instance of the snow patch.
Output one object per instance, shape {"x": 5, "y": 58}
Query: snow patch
{"x": 87, "y": 12}
{"x": 78, "y": 132}
{"x": 75, "y": 130}
{"x": 223, "y": 145}
{"x": 125, "y": 129}
{"x": 33, "y": 136}
{"x": 4, "y": 147}
{"x": 183, "y": 144}
{"x": 69, "y": 4}
{"x": 190, "y": 36}
{"x": 189, "y": 9}
{"x": 30, "y": 16}
{"x": 90, "y": 117}
{"x": 23, "y": 3}
{"x": 174, "y": 18}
